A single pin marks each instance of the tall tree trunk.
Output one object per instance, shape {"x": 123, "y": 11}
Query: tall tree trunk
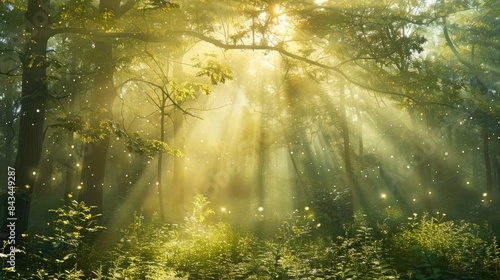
{"x": 95, "y": 153}
{"x": 7, "y": 117}
{"x": 44, "y": 176}
{"x": 497, "y": 163}
{"x": 422, "y": 162}
{"x": 102, "y": 97}
{"x": 347, "y": 153}
{"x": 70, "y": 169}
{"x": 178, "y": 192}
{"x": 32, "y": 115}
{"x": 160, "y": 159}
{"x": 475, "y": 168}
{"x": 495, "y": 168}
{"x": 487, "y": 165}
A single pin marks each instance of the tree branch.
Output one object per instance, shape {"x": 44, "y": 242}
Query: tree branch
{"x": 126, "y": 7}
{"x": 169, "y": 37}
{"x": 162, "y": 89}
{"x": 453, "y": 48}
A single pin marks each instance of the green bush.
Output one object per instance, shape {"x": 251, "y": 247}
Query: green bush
{"x": 63, "y": 254}
{"x": 208, "y": 250}
{"x": 431, "y": 249}
{"x": 141, "y": 251}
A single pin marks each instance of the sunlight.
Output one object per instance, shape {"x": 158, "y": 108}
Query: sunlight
{"x": 283, "y": 26}
{"x": 278, "y": 10}
{"x": 320, "y": 2}
{"x": 300, "y": 126}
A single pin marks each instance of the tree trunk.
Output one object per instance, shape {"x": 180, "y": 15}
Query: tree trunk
{"x": 178, "y": 199}
{"x": 70, "y": 169}
{"x": 32, "y": 114}
{"x": 497, "y": 164}
{"x": 160, "y": 159}
{"x": 422, "y": 162}
{"x": 95, "y": 153}
{"x": 347, "y": 153}
{"x": 102, "y": 97}
{"x": 475, "y": 168}
{"x": 44, "y": 176}
{"x": 488, "y": 199}
{"x": 7, "y": 117}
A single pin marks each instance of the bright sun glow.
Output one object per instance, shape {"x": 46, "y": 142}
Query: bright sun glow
{"x": 278, "y": 10}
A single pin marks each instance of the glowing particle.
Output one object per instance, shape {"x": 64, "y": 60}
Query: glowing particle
{"x": 383, "y": 195}
{"x": 306, "y": 208}
{"x": 260, "y": 209}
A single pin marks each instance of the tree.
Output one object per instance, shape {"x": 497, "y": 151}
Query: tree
{"x": 33, "y": 100}
{"x": 101, "y": 99}
{"x": 469, "y": 30}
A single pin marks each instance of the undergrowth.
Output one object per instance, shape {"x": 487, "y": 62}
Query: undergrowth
{"x": 205, "y": 247}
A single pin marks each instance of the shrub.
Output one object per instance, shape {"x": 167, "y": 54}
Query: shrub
{"x": 63, "y": 254}
{"x": 207, "y": 250}
{"x": 141, "y": 251}
{"x": 431, "y": 249}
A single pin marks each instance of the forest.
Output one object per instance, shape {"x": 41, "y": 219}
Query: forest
{"x": 250, "y": 139}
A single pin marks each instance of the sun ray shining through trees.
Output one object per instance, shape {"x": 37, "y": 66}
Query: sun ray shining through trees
{"x": 250, "y": 139}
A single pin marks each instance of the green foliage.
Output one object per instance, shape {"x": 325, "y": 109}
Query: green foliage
{"x": 207, "y": 250}
{"x": 431, "y": 249}
{"x": 426, "y": 266}
{"x": 133, "y": 141}
{"x": 64, "y": 253}
{"x": 363, "y": 257}
{"x": 140, "y": 252}
{"x": 187, "y": 90}
{"x": 204, "y": 247}
{"x": 217, "y": 72}
{"x": 148, "y": 147}
{"x": 161, "y": 5}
